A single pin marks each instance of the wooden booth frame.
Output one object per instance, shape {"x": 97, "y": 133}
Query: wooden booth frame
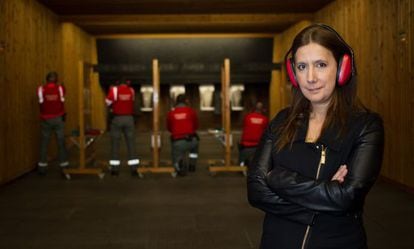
{"x": 226, "y": 122}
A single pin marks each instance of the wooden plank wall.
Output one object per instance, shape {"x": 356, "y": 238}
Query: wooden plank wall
{"x": 32, "y": 35}
{"x": 381, "y": 33}
{"x": 80, "y": 46}
{"x": 98, "y": 94}
{"x": 34, "y": 38}
{"x": 2, "y": 85}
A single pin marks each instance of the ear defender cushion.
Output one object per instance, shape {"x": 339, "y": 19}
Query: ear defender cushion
{"x": 344, "y": 70}
{"x": 291, "y": 72}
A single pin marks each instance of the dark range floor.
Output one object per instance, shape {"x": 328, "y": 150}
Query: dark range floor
{"x": 159, "y": 212}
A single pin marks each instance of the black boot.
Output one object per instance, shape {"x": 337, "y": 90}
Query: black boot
{"x": 191, "y": 168}
{"x": 115, "y": 170}
{"x": 182, "y": 169}
{"x": 42, "y": 171}
{"x": 134, "y": 170}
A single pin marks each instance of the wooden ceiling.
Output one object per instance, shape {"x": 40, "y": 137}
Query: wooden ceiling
{"x": 104, "y": 17}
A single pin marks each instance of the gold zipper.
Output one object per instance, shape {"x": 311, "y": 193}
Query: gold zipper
{"x": 305, "y": 237}
{"x": 321, "y": 163}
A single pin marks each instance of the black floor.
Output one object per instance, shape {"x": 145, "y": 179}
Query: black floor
{"x": 159, "y": 212}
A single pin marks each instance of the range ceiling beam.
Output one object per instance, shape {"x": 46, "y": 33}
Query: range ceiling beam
{"x": 190, "y": 23}
{"x": 102, "y": 7}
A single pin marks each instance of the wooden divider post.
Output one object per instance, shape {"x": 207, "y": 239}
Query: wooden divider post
{"x": 80, "y": 140}
{"x": 156, "y": 134}
{"x": 225, "y": 105}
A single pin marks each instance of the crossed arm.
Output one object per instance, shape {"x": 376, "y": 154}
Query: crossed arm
{"x": 264, "y": 198}
{"x": 357, "y": 178}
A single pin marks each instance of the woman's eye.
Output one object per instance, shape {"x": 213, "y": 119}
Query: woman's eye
{"x": 300, "y": 67}
{"x": 321, "y": 64}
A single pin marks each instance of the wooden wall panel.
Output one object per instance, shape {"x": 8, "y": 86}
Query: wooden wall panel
{"x": 381, "y": 33}
{"x": 98, "y": 94}
{"x": 32, "y": 35}
{"x": 2, "y": 87}
{"x": 36, "y": 43}
{"x": 405, "y": 14}
{"x": 80, "y": 46}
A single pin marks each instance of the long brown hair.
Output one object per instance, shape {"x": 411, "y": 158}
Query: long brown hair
{"x": 344, "y": 100}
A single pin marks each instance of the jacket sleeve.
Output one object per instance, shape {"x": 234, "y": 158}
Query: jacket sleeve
{"x": 62, "y": 93}
{"x": 259, "y": 193}
{"x": 132, "y": 93}
{"x": 110, "y": 97}
{"x": 363, "y": 169}
{"x": 40, "y": 94}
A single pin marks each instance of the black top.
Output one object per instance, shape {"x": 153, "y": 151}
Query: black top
{"x": 285, "y": 185}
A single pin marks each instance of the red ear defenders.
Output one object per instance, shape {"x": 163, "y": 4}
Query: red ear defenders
{"x": 345, "y": 64}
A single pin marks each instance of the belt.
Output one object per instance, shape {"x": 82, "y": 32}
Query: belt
{"x": 186, "y": 137}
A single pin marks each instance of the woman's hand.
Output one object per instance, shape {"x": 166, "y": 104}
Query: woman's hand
{"x": 340, "y": 174}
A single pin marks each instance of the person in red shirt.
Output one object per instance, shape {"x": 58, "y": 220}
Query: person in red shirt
{"x": 182, "y": 122}
{"x": 121, "y": 99}
{"x": 254, "y": 124}
{"x": 52, "y": 111}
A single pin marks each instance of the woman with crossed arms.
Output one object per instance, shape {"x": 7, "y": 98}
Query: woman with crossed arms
{"x": 319, "y": 157}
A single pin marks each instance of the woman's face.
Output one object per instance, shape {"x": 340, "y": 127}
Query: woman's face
{"x": 315, "y": 68}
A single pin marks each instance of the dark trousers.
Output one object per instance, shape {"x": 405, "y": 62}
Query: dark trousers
{"x": 49, "y": 126}
{"x": 183, "y": 147}
{"x": 246, "y": 154}
{"x": 123, "y": 125}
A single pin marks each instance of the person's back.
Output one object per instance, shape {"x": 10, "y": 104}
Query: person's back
{"x": 51, "y": 97}
{"x": 253, "y": 126}
{"x": 51, "y": 100}
{"x": 121, "y": 99}
{"x": 182, "y": 122}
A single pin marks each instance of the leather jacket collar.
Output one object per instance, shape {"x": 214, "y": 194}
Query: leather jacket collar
{"x": 329, "y": 137}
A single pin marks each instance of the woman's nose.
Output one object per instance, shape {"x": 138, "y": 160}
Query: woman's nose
{"x": 311, "y": 75}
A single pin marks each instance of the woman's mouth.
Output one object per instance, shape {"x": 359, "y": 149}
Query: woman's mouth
{"x": 314, "y": 90}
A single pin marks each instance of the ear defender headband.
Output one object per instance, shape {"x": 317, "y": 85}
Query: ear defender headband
{"x": 345, "y": 64}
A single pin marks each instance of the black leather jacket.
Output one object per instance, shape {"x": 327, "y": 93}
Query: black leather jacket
{"x": 285, "y": 184}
